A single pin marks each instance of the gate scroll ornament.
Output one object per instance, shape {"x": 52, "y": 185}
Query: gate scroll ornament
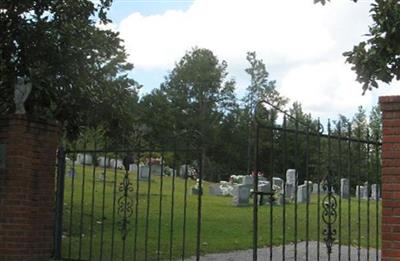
{"x": 329, "y": 202}
{"x": 329, "y": 214}
{"x": 125, "y": 202}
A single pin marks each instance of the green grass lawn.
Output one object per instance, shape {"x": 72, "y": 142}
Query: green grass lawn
{"x": 224, "y": 226}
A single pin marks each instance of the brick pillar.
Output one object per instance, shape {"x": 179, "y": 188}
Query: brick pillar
{"x": 27, "y": 184}
{"x": 390, "y": 106}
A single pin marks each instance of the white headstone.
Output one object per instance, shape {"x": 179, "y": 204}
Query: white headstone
{"x": 289, "y": 191}
{"x": 156, "y": 170}
{"x": 315, "y": 188}
{"x": 291, "y": 176}
{"x": 359, "y": 191}
{"x": 241, "y": 194}
{"x": 344, "y": 188}
{"x": 277, "y": 182}
{"x": 144, "y": 173}
{"x": 103, "y": 162}
{"x": 302, "y": 196}
{"x": 365, "y": 194}
{"x": 310, "y": 185}
{"x": 84, "y": 159}
{"x": 248, "y": 180}
{"x": 215, "y": 190}
{"x": 375, "y": 192}
{"x": 265, "y": 188}
{"x": 116, "y": 163}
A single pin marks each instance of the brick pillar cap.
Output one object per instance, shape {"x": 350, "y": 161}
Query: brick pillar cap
{"x": 389, "y": 99}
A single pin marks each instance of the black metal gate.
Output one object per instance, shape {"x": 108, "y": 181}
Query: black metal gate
{"x": 146, "y": 204}
{"x": 336, "y": 215}
{"x": 128, "y": 204}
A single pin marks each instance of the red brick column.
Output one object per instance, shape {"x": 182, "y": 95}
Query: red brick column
{"x": 27, "y": 184}
{"x": 390, "y": 106}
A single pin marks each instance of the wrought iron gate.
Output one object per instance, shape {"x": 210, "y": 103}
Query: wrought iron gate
{"x": 146, "y": 204}
{"x": 125, "y": 205}
{"x": 348, "y": 219}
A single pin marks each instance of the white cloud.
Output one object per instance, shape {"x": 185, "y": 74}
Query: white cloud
{"x": 301, "y": 43}
{"x": 283, "y": 31}
{"x": 324, "y": 88}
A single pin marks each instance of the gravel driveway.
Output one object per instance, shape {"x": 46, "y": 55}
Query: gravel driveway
{"x": 263, "y": 254}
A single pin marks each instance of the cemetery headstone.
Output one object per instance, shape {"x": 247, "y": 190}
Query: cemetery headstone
{"x": 310, "y": 186}
{"x": 265, "y": 188}
{"x": 116, "y": 163}
{"x": 365, "y": 194}
{"x": 277, "y": 182}
{"x": 291, "y": 180}
{"x": 375, "y": 192}
{"x": 302, "y": 196}
{"x": 103, "y": 162}
{"x": 248, "y": 180}
{"x": 144, "y": 173}
{"x": 215, "y": 190}
{"x": 241, "y": 195}
{"x": 359, "y": 191}
{"x": 344, "y": 188}
{"x": 315, "y": 188}
{"x": 83, "y": 159}
{"x": 291, "y": 176}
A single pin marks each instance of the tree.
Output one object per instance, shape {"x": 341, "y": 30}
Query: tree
{"x": 77, "y": 70}
{"x": 260, "y": 89}
{"x": 198, "y": 90}
{"x": 200, "y": 95}
{"x": 378, "y": 58}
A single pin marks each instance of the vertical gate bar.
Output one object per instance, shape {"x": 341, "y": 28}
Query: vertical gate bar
{"x": 123, "y": 228}
{"x": 340, "y": 196}
{"x": 330, "y": 183}
{"x": 319, "y": 190}
{"x": 349, "y": 157}
{"x": 271, "y": 219}
{"x": 255, "y": 196}
{"x": 368, "y": 201}
{"x": 285, "y": 164}
{"x": 113, "y": 211}
{"x": 199, "y": 205}
{"x": 359, "y": 196}
{"x": 296, "y": 181}
{"x": 184, "y": 210}
{"x": 377, "y": 190}
{"x": 92, "y": 202}
{"x": 146, "y": 233}
{"x": 160, "y": 206}
{"x": 82, "y": 201}
{"x": 59, "y": 202}
{"x": 72, "y": 205}
{"x": 308, "y": 194}
{"x": 171, "y": 231}
{"x": 136, "y": 207}
{"x": 103, "y": 202}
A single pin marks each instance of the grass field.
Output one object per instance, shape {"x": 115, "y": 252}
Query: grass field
{"x": 91, "y": 230}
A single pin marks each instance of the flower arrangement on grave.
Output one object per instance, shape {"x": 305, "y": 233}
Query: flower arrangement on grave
{"x": 276, "y": 190}
{"x": 196, "y": 188}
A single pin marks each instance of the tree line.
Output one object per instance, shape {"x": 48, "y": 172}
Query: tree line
{"x": 196, "y": 107}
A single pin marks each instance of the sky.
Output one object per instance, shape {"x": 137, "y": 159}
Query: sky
{"x": 301, "y": 44}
